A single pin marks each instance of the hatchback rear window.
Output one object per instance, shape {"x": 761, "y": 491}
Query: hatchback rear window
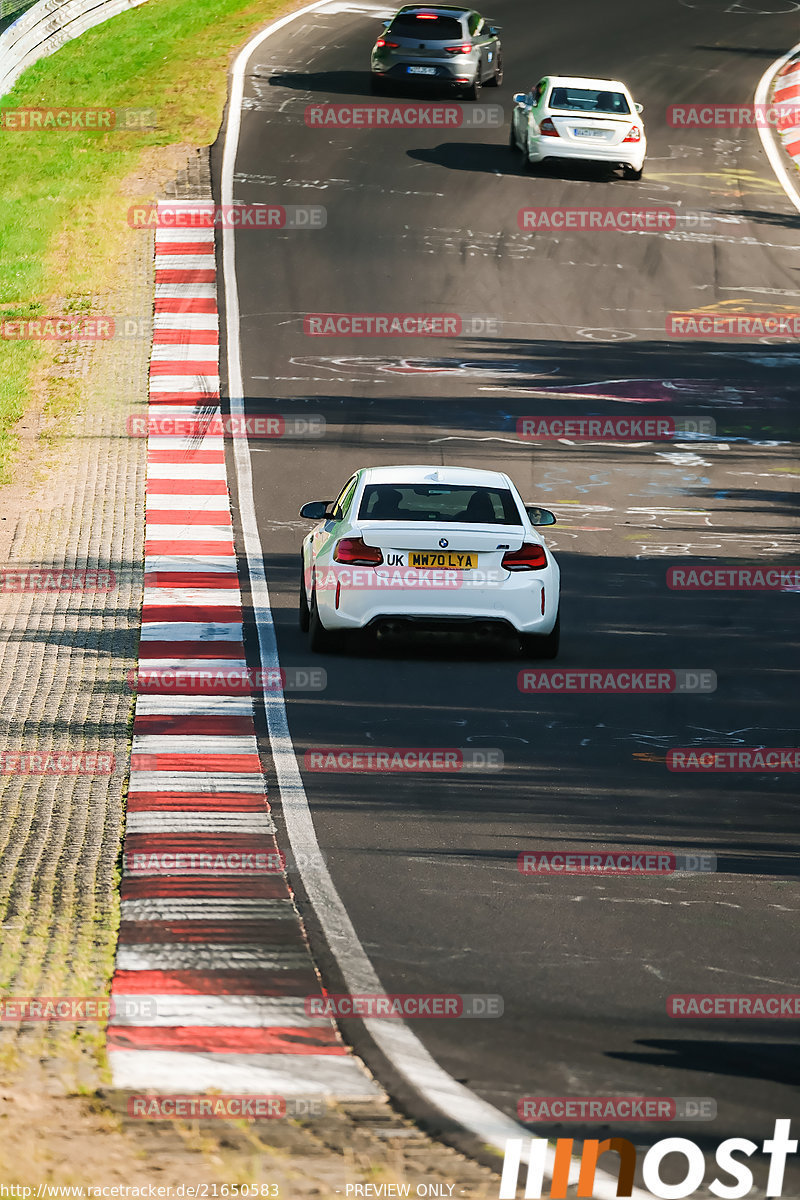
{"x": 438, "y": 502}
{"x": 589, "y": 100}
{"x": 427, "y": 29}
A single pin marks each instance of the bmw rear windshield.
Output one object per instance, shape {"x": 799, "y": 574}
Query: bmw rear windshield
{"x": 438, "y": 502}
{"x": 427, "y": 27}
{"x": 589, "y": 100}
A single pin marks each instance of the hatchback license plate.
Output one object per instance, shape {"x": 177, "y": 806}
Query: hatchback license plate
{"x": 589, "y": 132}
{"x": 422, "y": 70}
{"x": 451, "y": 559}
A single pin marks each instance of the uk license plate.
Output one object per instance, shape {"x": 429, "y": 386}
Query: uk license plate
{"x": 453, "y": 560}
{"x": 422, "y": 70}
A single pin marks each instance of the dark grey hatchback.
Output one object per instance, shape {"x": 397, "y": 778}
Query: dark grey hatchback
{"x": 439, "y": 45}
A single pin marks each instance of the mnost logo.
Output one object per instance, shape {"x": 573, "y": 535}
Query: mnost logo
{"x": 541, "y": 1155}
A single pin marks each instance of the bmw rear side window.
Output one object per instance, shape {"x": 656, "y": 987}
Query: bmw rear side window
{"x": 427, "y": 29}
{"x": 456, "y": 503}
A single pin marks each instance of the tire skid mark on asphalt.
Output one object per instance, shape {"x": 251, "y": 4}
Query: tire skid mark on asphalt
{"x": 217, "y": 950}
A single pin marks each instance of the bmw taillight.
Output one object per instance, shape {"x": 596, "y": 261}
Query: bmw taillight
{"x": 356, "y": 552}
{"x": 382, "y": 43}
{"x": 634, "y": 134}
{"x": 547, "y": 128}
{"x": 465, "y": 49}
{"x": 530, "y": 557}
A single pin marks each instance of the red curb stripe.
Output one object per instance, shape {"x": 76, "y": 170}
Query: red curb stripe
{"x": 190, "y": 650}
{"x": 199, "y": 399}
{"x": 204, "y": 247}
{"x": 233, "y": 1040}
{"x": 187, "y": 453}
{"x": 187, "y": 487}
{"x": 788, "y": 92}
{"x": 241, "y": 932}
{"x": 195, "y": 516}
{"x": 226, "y": 581}
{"x": 207, "y": 613}
{"x": 194, "y": 802}
{"x": 218, "y": 887}
{"x": 184, "y": 275}
{"x": 184, "y": 366}
{"x": 200, "y": 843}
{"x": 793, "y": 148}
{"x": 185, "y": 304}
{"x": 196, "y": 725}
{"x": 178, "y": 546}
{"x": 185, "y": 337}
{"x": 296, "y": 982}
{"x": 239, "y": 764}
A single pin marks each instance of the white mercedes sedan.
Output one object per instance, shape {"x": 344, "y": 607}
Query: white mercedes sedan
{"x": 433, "y": 549}
{"x": 568, "y": 116}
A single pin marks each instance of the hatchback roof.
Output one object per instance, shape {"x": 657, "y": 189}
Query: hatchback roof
{"x": 435, "y": 474}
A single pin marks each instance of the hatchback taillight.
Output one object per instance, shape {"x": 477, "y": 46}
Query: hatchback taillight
{"x": 356, "y": 552}
{"x": 634, "y": 134}
{"x": 463, "y": 49}
{"x": 529, "y": 557}
{"x": 547, "y": 128}
{"x": 382, "y": 42}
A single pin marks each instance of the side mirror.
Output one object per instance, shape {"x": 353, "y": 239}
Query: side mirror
{"x": 639, "y": 107}
{"x": 493, "y": 31}
{"x": 386, "y": 24}
{"x": 521, "y": 100}
{"x": 539, "y": 516}
{"x": 316, "y": 510}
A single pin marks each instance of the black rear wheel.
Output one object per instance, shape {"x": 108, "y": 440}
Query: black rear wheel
{"x": 497, "y": 78}
{"x": 537, "y": 645}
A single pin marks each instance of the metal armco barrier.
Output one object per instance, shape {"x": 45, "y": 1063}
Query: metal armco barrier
{"x": 45, "y": 27}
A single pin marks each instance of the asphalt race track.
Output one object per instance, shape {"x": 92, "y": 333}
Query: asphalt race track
{"x": 426, "y": 221}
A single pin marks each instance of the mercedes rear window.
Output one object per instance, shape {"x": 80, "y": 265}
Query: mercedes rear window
{"x": 427, "y": 29}
{"x": 589, "y": 100}
{"x": 457, "y": 503}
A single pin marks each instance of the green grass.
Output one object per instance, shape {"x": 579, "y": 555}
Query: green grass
{"x": 63, "y": 218}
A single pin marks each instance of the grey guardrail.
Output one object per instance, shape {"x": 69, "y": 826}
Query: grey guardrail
{"x": 45, "y": 27}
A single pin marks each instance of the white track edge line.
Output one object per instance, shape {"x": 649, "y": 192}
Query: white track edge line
{"x": 775, "y": 151}
{"x": 396, "y": 1040}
